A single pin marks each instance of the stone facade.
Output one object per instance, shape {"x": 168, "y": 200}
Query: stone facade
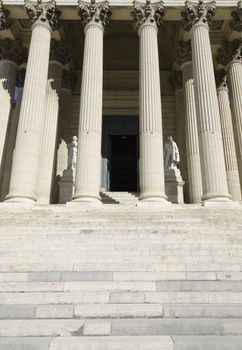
{"x": 105, "y": 73}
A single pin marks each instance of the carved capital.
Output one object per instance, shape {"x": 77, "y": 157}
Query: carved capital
{"x": 201, "y": 12}
{"x": 230, "y": 52}
{"x": 236, "y": 22}
{"x": 13, "y": 50}
{"x": 21, "y": 78}
{"x": 183, "y": 52}
{"x": 44, "y": 12}
{"x": 58, "y": 52}
{"x": 68, "y": 79}
{"x": 5, "y": 22}
{"x": 148, "y": 13}
{"x": 176, "y": 80}
{"x": 94, "y": 12}
{"x": 221, "y": 79}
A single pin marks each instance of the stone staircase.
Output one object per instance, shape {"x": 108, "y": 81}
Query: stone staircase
{"x": 122, "y": 198}
{"x": 120, "y": 278}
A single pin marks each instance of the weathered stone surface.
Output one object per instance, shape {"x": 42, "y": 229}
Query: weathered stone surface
{"x": 208, "y": 343}
{"x": 25, "y": 343}
{"x": 113, "y": 343}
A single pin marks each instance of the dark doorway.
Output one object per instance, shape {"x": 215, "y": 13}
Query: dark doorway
{"x": 123, "y": 167}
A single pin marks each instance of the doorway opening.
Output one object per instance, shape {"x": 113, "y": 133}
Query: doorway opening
{"x": 124, "y": 163}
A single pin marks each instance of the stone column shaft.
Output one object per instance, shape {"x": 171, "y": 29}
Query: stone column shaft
{"x": 229, "y": 144}
{"x": 214, "y": 178}
{"x": 10, "y": 145}
{"x": 192, "y": 144}
{"x": 197, "y": 18}
{"x": 148, "y": 18}
{"x": 234, "y": 74}
{"x": 151, "y": 137}
{"x": 88, "y": 174}
{"x": 31, "y": 120}
{"x": 48, "y": 148}
{"x": 8, "y": 73}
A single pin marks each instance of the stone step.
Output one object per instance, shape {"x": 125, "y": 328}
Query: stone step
{"x": 62, "y": 311}
{"x": 120, "y": 327}
{"x": 69, "y": 276}
{"x": 114, "y": 297}
{"x": 95, "y": 286}
{"x": 207, "y": 342}
{"x": 113, "y": 343}
{"x": 114, "y": 259}
{"x": 65, "y": 264}
{"x": 118, "y": 311}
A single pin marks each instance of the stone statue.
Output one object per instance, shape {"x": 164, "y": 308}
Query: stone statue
{"x": 72, "y": 154}
{"x": 171, "y": 154}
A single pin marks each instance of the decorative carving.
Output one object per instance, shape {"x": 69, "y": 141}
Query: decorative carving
{"x": 201, "y": 12}
{"x": 68, "y": 79}
{"x": 58, "y": 52}
{"x": 13, "y": 50}
{"x": 176, "y": 80}
{"x": 221, "y": 78}
{"x": 171, "y": 154}
{"x": 5, "y": 22}
{"x": 231, "y": 51}
{"x": 94, "y": 12}
{"x": 236, "y": 22}
{"x": 44, "y": 12}
{"x": 183, "y": 52}
{"x": 148, "y": 13}
{"x": 21, "y": 78}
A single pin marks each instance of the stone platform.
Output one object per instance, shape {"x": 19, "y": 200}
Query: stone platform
{"x": 120, "y": 278}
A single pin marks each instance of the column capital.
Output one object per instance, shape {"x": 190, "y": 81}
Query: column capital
{"x": 5, "y": 22}
{"x": 68, "y": 79}
{"x": 148, "y": 13}
{"x": 198, "y": 13}
{"x": 176, "y": 80}
{"x": 13, "y": 50}
{"x": 58, "y": 52}
{"x": 94, "y": 13}
{"x": 183, "y": 52}
{"x": 230, "y": 52}
{"x": 221, "y": 79}
{"x": 236, "y": 22}
{"x": 44, "y": 13}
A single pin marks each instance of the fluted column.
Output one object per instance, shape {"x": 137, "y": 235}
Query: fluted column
{"x": 148, "y": 18}
{"x": 94, "y": 17}
{"x": 228, "y": 139}
{"x": 11, "y": 55}
{"x": 184, "y": 58}
{"x": 198, "y": 16}
{"x": 48, "y": 149}
{"x": 234, "y": 72}
{"x": 24, "y": 174}
{"x": 10, "y": 144}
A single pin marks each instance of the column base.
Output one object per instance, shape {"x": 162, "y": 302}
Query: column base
{"x": 217, "y": 200}
{"x": 85, "y": 200}
{"x": 9, "y": 199}
{"x": 152, "y": 201}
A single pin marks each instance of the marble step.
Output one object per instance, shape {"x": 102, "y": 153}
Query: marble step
{"x": 95, "y": 286}
{"x": 65, "y": 264}
{"x": 119, "y": 311}
{"x": 70, "y": 276}
{"x": 121, "y": 297}
{"x": 120, "y": 327}
{"x": 87, "y": 343}
{"x": 123, "y": 343}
